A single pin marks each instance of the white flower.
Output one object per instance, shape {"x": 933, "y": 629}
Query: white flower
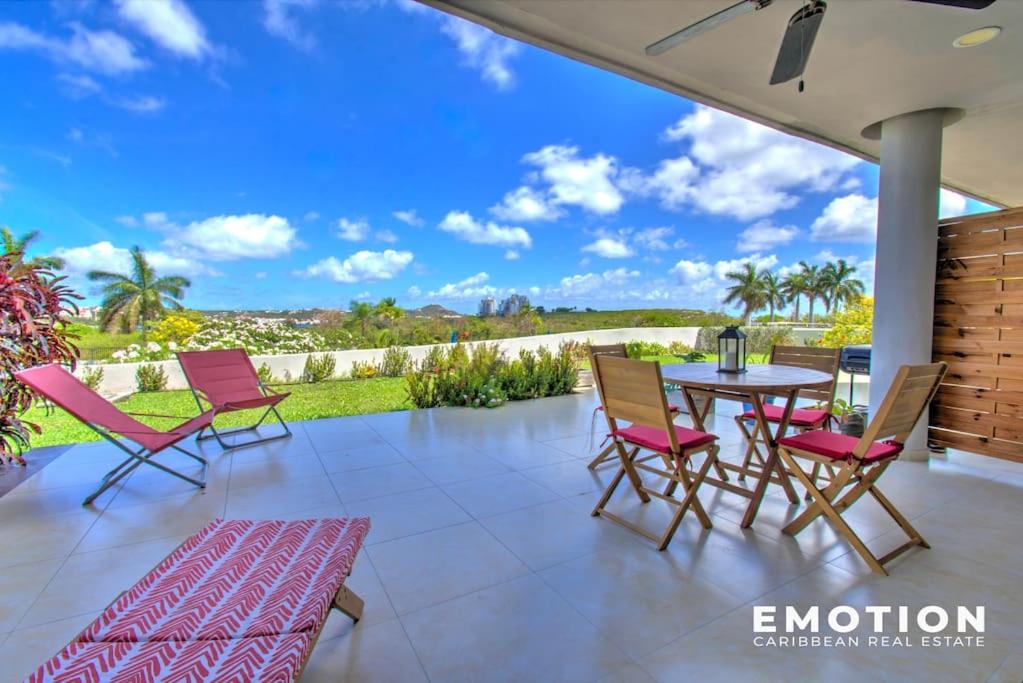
{"x": 152, "y": 347}
{"x": 173, "y": 346}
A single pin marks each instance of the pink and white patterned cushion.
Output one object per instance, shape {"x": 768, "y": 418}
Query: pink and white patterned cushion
{"x": 266, "y": 659}
{"x": 238, "y": 579}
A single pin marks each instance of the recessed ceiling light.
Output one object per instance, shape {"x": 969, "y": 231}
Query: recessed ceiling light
{"x": 977, "y": 37}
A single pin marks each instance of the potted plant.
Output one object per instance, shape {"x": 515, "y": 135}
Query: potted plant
{"x": 851, "y": 418}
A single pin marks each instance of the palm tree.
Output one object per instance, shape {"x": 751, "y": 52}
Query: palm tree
{"x": 388, "y": 309}
{"x": 774, "y": 295}
{"x": 20, "y": 245}
{"x": 812, "y": 277}
{"x": 747, "y": 290}
{"x": 361, "y": 312}
{"x": 129, "y": 301}
{"x": 842, "y": 286}
{"x": 792, "y": 288}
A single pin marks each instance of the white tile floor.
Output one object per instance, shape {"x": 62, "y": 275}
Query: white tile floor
{"x": 484, "y": 564}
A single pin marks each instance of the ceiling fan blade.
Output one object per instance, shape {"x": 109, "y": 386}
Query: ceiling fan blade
{"x": 798, "y": 41}
{"x": 704, "y": 25}
{"x": 962, "y": 4}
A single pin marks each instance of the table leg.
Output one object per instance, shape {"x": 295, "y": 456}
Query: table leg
{"x": 772, "y": 463}
{"x": 699, "y": 417}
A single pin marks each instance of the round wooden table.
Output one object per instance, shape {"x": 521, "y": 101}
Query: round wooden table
{"x": 785, "y": 381}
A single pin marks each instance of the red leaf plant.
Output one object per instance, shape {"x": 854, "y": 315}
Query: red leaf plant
{"x": 35, "y": 309}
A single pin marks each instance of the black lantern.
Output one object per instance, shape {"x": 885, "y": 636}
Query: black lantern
{"x": 732, "y": 350}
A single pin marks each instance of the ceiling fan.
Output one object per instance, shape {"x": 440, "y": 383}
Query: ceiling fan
{"x": 799, "y": 35}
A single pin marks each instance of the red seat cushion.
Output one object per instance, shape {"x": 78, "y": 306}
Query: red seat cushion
{"x": 839, "y": 446}
{"x": 269, "y": 659}
{"x": 801, "y": 417}
{"x": 238, "y": 578}
{"x": 656, "y": 439}
{"x": 671, "y": 406}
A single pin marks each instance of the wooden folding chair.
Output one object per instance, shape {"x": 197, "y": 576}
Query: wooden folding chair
{"x": 802, "y": 419}
{"x": 633, "y": 390}
{"x": 618, "y": 351}
{"x": 860, "y": 462}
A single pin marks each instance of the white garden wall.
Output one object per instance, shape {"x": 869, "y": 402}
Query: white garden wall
{"x": 119, "y": 378}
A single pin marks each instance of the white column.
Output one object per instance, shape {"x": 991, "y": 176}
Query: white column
{"x": 906, "y": 252}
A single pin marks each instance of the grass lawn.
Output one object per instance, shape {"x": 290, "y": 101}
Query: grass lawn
{"x": 307, "y": 402}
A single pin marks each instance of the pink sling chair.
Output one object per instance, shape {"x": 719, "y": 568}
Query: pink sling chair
{"x": 65, "y": 390}
{"x": 224, "y": 380}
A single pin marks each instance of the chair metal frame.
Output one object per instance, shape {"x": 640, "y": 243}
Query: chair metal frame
{"x": 136, "y": 458}
{"x": 908, "y": 397}
{"x": 201, "y": 396}
{"x": 633, "y": 390}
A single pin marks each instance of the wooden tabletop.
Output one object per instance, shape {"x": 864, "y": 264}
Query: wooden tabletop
{"x": 759, "y": 378}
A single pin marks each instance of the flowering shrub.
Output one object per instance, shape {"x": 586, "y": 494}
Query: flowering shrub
{"x": 258, "y": 338}
{"x": 174, "y": 328}
{"x": 34, "y": 311}
{"x": 486, "y": 378}
{"x": 854, "y": 325}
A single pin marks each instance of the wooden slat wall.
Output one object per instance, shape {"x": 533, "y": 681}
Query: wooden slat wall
{"x": 978, "y": 329}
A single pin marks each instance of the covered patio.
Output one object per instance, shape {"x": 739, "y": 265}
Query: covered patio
{"x": 484, "y": 563}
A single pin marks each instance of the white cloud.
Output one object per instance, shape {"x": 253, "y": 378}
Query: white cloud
{"x": 414, "y": 292}
{"x": 103, "y": 51}
{"x": 738, "y": 168}
{"x": 608, "y": 247}
{"x": 105, "y": 256}
{"x": 470, "y": 288}
{"x": 227, "y": 238}
{"x": 79, "y": 86}
{"x": 352, "y": 231}
{"x": 483, "y": 50}
{"x": 692, "y": 271}
{"x": 409, "y": 217}
{"x": 75, "y": 135}
{"x": 362, "y": 266}
{"x": 279, "y": 20}
{"x": 765, "y": 235}
{"x": 386, "y": 236}
{"x": 127, "y": 221}
{"x": 156, "y": 220}
{"x": 462, "y": 225}
{"x": 168, "y": 23}
{"x": 586, "y": 182}
{"x": 526, "y": 204}
{"x": 512, "y": 255}
{"x": 852, "y": 218}
{"x": 311, "y": 216}
{"x": 656, "y": 239}
{"x": 140, "y": 104}
{"x": 582, "y": 285}
{"x": 951, "y": 204}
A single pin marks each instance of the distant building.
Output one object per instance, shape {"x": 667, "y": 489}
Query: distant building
{"x": 488, "y": 307}
{"x": 89, "y": 312}
{"x": 513, "y": 304}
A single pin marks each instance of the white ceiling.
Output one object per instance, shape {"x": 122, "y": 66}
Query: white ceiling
{"x": 872, "y": 59}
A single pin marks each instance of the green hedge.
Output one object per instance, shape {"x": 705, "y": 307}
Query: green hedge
{"x": 485, "y": 377}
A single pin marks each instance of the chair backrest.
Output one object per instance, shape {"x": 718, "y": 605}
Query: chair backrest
{"x": 221, "y": 376}
{"x": 812, "y": 358}
{"x": 67, "y": 391}
{"x": 633, "y": 390}
{"x": 616, "y": 350}
{"x": 912, "y": 389}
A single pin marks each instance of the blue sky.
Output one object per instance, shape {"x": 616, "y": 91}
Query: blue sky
{"x": 304, "y": 153}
